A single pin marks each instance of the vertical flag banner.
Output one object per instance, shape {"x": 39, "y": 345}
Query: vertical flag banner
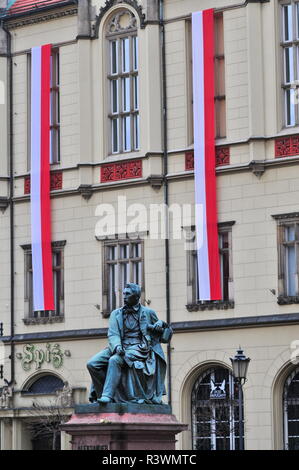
{"x": 204, "y": 155}
{"x": 43, "y": 293}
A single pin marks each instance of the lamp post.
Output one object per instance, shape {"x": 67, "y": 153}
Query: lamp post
{"x": 240, "y": 365}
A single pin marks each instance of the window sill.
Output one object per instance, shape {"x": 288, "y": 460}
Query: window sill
{"x": 210, "y": 305}
{"x": 43, "y": 320}
{"x": 287, "y": 299}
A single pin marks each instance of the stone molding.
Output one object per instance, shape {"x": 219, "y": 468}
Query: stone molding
{"x": 35, "y": 18}
{"x": 111, "y": 3}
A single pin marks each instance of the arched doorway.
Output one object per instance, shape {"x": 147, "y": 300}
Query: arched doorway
{"x": 214, "y": 410}
{"x": 44, "y": 425}
{"x": 291, "y": 411}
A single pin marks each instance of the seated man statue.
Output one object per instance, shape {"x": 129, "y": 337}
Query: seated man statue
{"x": 133, "y": 367}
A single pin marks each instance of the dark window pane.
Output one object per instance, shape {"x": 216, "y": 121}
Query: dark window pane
{"x": 46, "y": 384}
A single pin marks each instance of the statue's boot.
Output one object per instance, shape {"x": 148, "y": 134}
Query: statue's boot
{"x": 104, "y": 399}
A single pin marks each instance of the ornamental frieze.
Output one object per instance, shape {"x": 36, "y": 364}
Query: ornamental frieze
{"x": 287, "y": 146}
{"x": 121, "y": 171}
{"x": 55, "y": 182}
{"x": 222, "y": 156}
{"x": 32, "y": 355}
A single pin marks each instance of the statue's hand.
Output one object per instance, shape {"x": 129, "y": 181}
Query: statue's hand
{"x": 119, "y": 350}
{"x": 159, "y": 326}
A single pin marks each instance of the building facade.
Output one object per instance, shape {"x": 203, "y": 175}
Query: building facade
{"x": 122, "y": 144}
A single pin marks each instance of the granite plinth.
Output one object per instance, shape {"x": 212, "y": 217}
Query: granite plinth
{"x": 122, "y": 408}
{"x": 118, "y": 426}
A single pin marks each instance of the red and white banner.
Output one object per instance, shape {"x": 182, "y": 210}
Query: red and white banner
{"x": 204, "y": 155}
{"x": 43, "y": 294}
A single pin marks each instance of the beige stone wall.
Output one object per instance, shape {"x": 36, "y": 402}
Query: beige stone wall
{"x": 253, "y": 107}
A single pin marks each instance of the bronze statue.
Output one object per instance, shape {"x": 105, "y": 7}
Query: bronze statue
{"x": 132, "y": 368}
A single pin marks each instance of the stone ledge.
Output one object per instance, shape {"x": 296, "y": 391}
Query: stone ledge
{"x": 210, "y": 305}
{"x": 287, "y": 299}
{"x": 43, "y": 320}
{"x": 122, "y": 408}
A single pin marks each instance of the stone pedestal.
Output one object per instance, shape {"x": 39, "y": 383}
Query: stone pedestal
{"x": 123, "y": 427}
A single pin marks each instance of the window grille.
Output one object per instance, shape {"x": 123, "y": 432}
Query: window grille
{"x": 215, "y": 424}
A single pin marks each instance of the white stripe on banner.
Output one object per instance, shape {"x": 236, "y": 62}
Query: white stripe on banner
{"x": 199, "y": 156}
{"x": 36, "y": 236}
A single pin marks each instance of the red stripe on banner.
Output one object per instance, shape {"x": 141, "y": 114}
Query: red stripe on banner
{"x": 210, "y": 174}
{"x": 45, "y": 179}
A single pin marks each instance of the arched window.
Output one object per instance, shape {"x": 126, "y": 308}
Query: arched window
{"x": 45, "y": 384}
{"x": 214, "y": 402}
{"x": 123, "y": 113}
{"x": 291, "y": 411}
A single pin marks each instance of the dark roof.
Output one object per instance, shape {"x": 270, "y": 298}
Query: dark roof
{"x": 20, "y": 7}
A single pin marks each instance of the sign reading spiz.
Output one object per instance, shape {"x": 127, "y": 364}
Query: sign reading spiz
{"x": 51, "y": 355}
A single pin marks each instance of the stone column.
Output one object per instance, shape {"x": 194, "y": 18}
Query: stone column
{"x": 16, "y": 434}
{"x": 85, "y": 90}
{"x": 256, "y": 85}
{"x": 6, "y": 434}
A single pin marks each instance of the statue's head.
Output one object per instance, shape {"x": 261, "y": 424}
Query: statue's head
{"x": 132, "y": 293}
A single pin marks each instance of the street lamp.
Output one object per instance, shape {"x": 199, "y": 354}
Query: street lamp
{"x": 240, "y": 366}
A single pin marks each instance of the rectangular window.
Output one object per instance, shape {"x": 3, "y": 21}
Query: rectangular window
{"x": 54, "y": 108}
{"x": 58, "y": 283}
{"x": 290, "y": 60}
{"x": 124, "y": 94}
{"x": 219, "y": 69}
{"x": 225, "y": 255}
{"x": 288, "y": 268}
{"x": 220, "y": 102}
{"x": 123, "y": 263}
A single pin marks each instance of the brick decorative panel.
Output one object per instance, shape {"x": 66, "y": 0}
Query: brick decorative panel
{"x": 55, "y": 182}
{"x": 121, "y": 171}
{"x": 287, "y": 146}
{"x": 27, "y": 185}
{"x": 189, "y": 160}
{"x": 222, "y": 157}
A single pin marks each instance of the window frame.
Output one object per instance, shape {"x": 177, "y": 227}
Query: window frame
{"x": 220, "y": 95}
{"x": 131, "y": 33}
{"x": 283, "y": 293}
{"x": 192, "y": 285}
{"x": 286, "y": 419}
{"x": 54, "y": 105}
{"x": 292, "y": 86}
{"x": 45, "y": 316}
{"x": 118, "y": 243}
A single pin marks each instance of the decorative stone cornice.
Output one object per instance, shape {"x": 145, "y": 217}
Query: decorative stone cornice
{"x": 19, "y": 22}
{"x": 211, "y": 305}
{"x": 286, "y": 216}
{"x": 55, "y": 244}
{"x": 110, "y": 3}
{"x": 43, "y": 320}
